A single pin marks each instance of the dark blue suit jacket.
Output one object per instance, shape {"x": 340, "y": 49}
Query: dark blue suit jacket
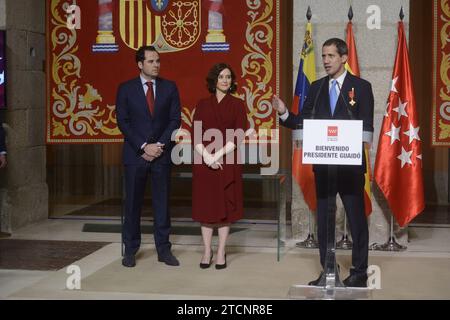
{"x": 317, "y": 105}
{"x": 139, "y": 126}
{"x": 2, "y": 139}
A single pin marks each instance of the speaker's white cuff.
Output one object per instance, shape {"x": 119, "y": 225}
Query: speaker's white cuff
{"x": 297, "y": 134}
{"x": 368, "y": 136}
{"x": 284, "y": 116}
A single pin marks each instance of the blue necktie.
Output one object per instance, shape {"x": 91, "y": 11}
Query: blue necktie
{"x": 333, "y": 96}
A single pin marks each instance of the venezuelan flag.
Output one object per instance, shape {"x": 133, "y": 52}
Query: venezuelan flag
{"x": 303, "y": 173}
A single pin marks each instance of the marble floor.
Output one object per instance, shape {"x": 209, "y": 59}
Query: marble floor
{"x": 275, "y": 265}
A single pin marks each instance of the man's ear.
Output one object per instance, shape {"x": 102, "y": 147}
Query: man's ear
{"x": 344, "y": 58}
{"x": 140, "y": 65}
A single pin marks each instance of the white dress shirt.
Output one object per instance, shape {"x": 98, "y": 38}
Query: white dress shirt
{"x": 145, "y": 86}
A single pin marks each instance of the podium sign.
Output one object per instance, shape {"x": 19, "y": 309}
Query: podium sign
{"x": 337, "y": 142}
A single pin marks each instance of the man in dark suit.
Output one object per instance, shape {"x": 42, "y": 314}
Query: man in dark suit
{"x": 2, "y": 147}
{"x": 148, "y": 112}
{"x": 339, "y": 95}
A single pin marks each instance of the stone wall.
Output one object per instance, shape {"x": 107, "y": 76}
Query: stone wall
{"x": 2, "y": 14}
{"x": 24, "y": 192}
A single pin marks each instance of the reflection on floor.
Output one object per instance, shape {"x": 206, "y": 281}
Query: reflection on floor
{"x": 179, "y": 209}
{"x": 148, "y": 229}
{"x": 434, "y": 214}
{"x": 257, "y": 267}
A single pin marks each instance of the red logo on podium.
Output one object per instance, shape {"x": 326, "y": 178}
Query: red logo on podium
{"x": 332, "y": 133}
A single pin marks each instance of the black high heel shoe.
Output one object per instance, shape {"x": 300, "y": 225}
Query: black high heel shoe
{"x": 222, "y": 266}
{"x": 207, "y": 265}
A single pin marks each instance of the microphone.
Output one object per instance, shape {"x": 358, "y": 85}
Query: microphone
{"x": 347, "y": 108}
{"x": 313, "y": 111}
{"x": 298, "y": 133}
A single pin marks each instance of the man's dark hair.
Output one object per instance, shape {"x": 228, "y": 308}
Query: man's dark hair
{"x": 340, "y": 44}
{"x": 213, "y": 76}
{"x": 140, "y": 53}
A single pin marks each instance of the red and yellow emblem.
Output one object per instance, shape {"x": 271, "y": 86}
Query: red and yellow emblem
{"x": 176, "y": 27}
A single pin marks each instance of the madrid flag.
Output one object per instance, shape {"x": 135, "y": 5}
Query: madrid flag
{"x": 303, "y": 173}
{"x": 398, "y": 165}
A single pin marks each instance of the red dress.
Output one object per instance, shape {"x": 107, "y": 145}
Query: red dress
{"x": 217, "y": 194}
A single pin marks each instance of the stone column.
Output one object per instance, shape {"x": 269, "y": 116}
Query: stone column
{"x": 23, "y": 187}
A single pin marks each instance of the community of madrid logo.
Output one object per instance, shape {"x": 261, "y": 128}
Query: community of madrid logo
{"x": 332, "y": 133}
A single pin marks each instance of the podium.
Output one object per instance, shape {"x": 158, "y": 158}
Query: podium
{"x": 332, "y": 143}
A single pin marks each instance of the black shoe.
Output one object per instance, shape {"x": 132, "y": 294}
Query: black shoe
{"x": 169, "y": 259}
{"x": 207, "y": 265}
{"x": 129, "y": 261}
{"x": 316, "y": 282}
{"x": 356, "y": 280}
{"x": 222, "y": 266}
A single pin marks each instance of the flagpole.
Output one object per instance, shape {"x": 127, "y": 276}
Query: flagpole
{"x": 392, "y": 244}
{"x": 345, "y": 242}
{"x": 310, "y": 242}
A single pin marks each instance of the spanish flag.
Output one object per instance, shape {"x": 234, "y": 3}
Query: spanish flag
{"x": 303, "y": 173}
{"x": 353, "y": 67}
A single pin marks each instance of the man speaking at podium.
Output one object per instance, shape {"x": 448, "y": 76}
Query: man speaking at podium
{"x": 339, "y": 95}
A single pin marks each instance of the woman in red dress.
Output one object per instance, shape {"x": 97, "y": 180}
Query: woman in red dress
{"x": 220, "y": 122}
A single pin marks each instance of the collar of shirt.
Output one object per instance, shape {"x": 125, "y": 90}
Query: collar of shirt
{"x": 340, "y": 81}
{"x": 144, "y": 85}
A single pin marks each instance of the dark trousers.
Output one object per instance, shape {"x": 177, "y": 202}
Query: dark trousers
{"x": 135, "y": 181}
{"x": 349, "y": 184}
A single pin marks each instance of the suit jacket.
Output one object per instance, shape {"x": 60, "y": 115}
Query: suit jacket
{"x": 2, "y": 139}
{"x": 317, "y": 105}
{"x": 139, "y": 126}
